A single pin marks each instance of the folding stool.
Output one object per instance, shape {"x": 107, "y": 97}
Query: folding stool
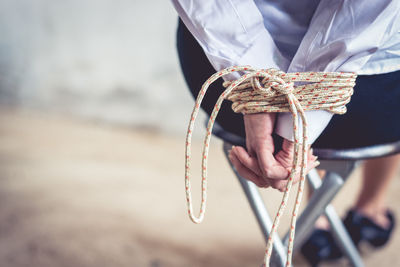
{"x": 339, "y": 164}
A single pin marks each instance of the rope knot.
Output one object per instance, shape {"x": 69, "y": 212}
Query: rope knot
{"x": 273, "y": 80}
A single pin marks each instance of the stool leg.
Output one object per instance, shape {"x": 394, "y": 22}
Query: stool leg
{"x": 342, "y": 237}
{"x": 263, "y": 218}
{"x": 315, "y": 207}
{"x": 340, "y": 233}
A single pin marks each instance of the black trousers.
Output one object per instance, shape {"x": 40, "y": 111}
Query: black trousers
{"x": 373, "y": 114}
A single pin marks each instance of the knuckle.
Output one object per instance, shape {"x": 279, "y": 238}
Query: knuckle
{"x": 265, "y": 184}
{"x": 275, "y": 184}
{"x": 258, "y": 183}
{"x": 282, "y": 185}
{"x": 240, "y": 171}
{"x": 266, "y": 171}
{"x": 262, "y": 184}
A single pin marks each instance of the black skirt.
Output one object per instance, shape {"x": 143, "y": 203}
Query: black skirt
{"x": 373, "y": 114}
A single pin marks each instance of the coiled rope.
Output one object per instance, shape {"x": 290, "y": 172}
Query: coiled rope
{"x": 271, "y": 90}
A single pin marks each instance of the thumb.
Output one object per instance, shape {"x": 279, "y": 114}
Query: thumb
{"x": 270, "y": 168}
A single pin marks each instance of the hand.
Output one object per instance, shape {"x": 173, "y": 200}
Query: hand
{"x": 258, "y": 163}
{"x": 285, "y": 157}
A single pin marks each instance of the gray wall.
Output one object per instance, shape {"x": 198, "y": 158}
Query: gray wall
{"x": 110, "y": 60}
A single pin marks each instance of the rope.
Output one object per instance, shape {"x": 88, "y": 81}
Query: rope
{"x": 271, "y": 90}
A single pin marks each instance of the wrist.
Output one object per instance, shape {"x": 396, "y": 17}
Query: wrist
{"x": 260, "y": 123}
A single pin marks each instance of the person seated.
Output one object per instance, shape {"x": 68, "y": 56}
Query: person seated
{"x": 307, "y": 35}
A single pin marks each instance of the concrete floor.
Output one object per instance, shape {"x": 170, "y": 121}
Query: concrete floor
{"x": 76, "y": 193}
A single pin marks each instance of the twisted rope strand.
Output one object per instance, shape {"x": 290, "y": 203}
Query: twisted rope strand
{"x": 274, "y": 93}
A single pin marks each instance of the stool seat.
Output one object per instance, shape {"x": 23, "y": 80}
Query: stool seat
{"x": 360, "y": 153}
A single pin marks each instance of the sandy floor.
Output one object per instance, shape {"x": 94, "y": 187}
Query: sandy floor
{"x": 75, "y": 193}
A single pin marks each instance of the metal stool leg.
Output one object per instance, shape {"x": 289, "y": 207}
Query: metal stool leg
{"x": 263, "y": 218}
{"x": 339, "y": 231}
{"x": 342, "y": 237}
{"x": 315, "y": 207}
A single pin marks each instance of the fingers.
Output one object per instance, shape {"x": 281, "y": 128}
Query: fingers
{"x": 285, "y": 156}
{"x": 278, "y": 184}
{"x": 266, "y": 170}
{"x": 270, "y": 168}
{"x": 312, "y": 161}
{"x": 282, "y": 184}
{"x": 247, "y": 160}
{"x": 286, "y": 159}
{"x": 271, "y": 171}
{"x": 246, "y": 172}
{"x": 249, "y": 169}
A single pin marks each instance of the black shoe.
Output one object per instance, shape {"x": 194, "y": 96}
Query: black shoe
{"x": 363, "y": 229}
{"x": 320, "y": 247}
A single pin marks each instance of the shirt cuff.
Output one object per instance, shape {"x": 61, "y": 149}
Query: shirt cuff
{"x": 317, "y": 121}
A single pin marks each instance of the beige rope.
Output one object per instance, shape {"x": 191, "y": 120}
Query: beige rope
{"x": 270, "y": 90}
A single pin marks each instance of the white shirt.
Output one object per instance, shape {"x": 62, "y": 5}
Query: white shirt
{"x": 361, "y": 36}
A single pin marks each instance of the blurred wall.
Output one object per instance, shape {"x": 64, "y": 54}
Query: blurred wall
{"x": 112, "y": 60}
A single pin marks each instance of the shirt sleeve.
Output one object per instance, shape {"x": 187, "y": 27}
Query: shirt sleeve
{"x": 342, "y": 36}
{"x": 230, "y": 33}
